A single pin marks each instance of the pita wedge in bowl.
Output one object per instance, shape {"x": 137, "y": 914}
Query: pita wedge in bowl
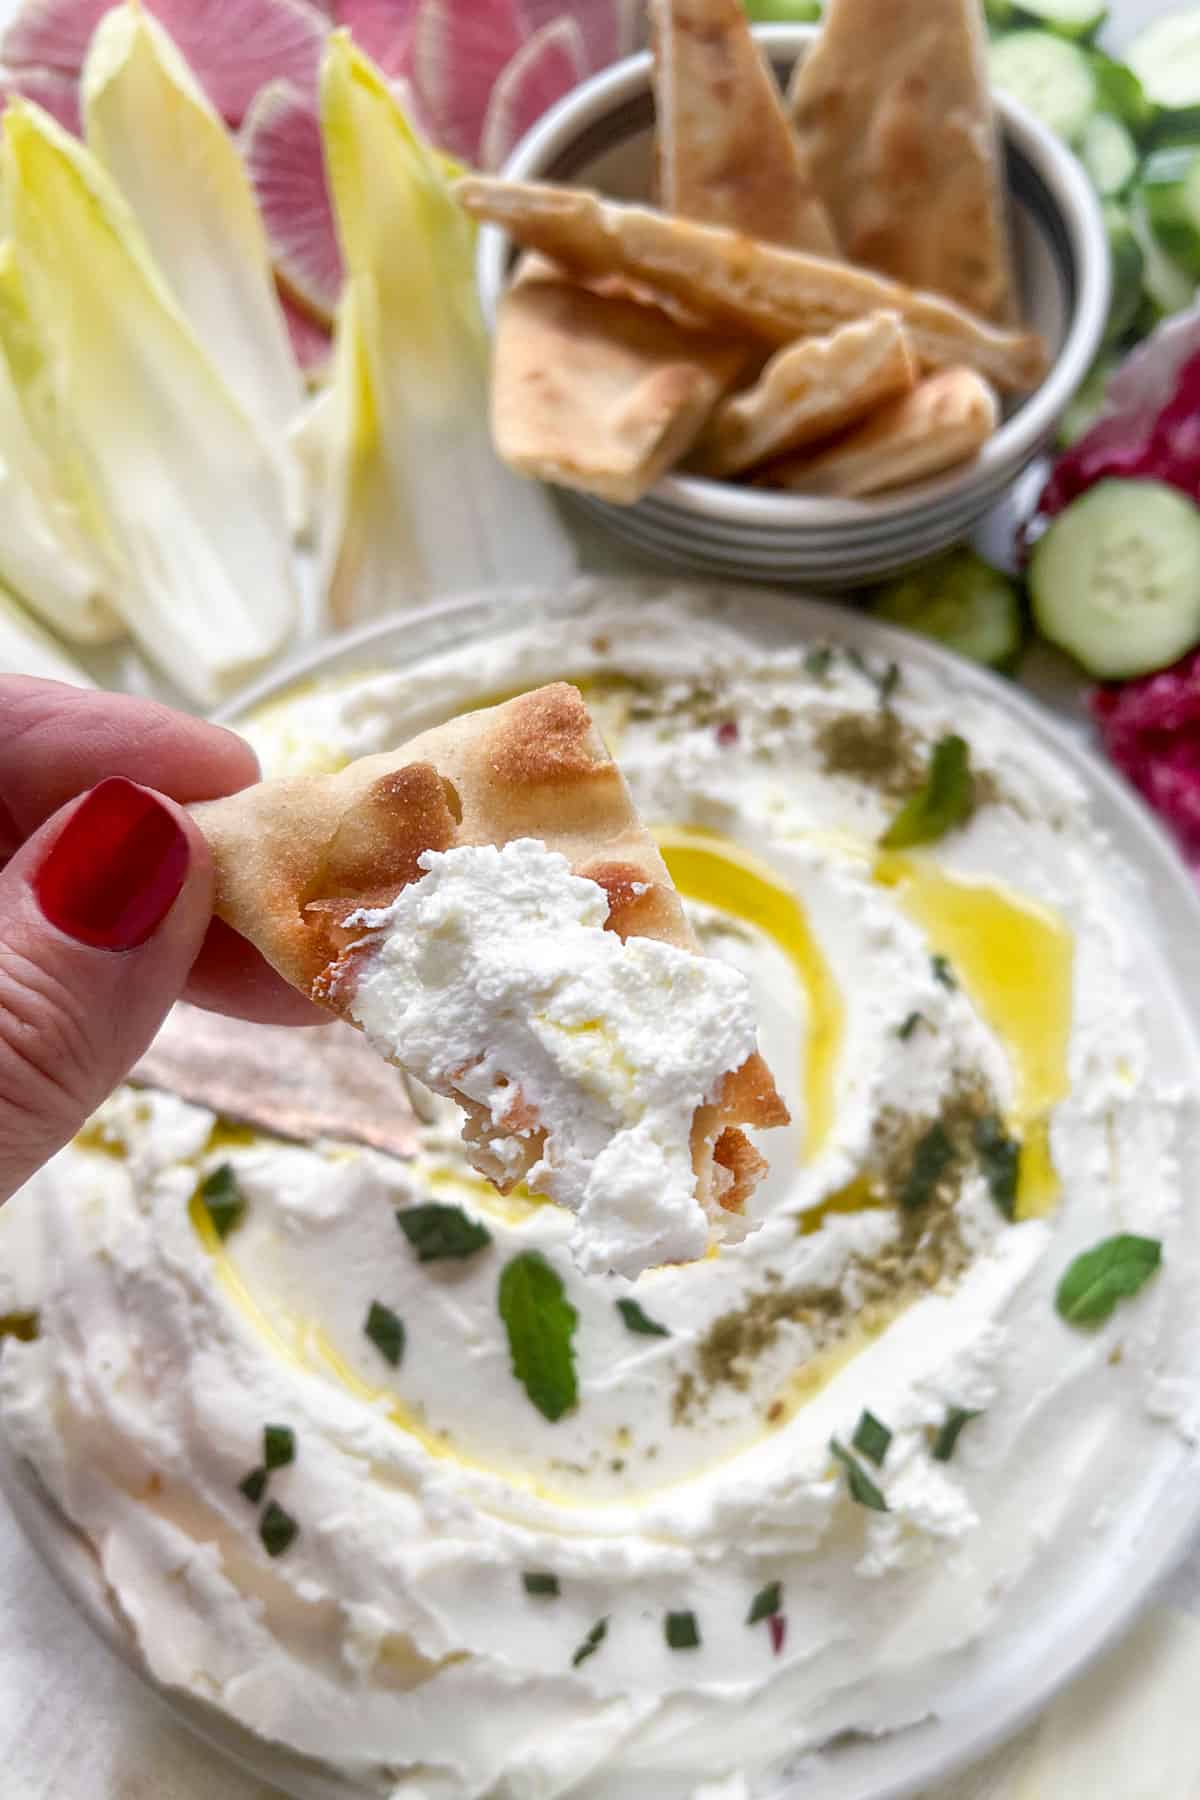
{"x": 814, "y": 223}
{"x": 486, "y": 906}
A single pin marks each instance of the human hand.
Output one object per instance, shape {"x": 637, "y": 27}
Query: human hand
{"x": 106, "y": 902}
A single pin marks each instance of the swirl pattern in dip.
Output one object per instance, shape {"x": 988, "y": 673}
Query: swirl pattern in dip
{"x": 680, "y": 1583}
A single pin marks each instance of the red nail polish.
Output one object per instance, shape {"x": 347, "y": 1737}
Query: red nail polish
{"x": 115, "y": 870}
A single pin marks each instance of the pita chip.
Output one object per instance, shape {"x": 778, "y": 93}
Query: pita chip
{"x": 744, "y": 287}
{"x": 727, "y": 154}
{"x": 597, "y": 392}
{"x": 807, "y": 392}
{"x": 894, "y": 116}
{"x": 298, "y": 858}
{"x": 944, "y": 421}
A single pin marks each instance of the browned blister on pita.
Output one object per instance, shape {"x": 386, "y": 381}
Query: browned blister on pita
{"x": 747, "y": 288}
{"x": 726, "y": 151}
{"x": 945, "y": 421}
{"x": 295, "y": 858}
{"x": 596, "y": 391}
{"x": 808, "y": 392}
{"x": 894, "y": 116}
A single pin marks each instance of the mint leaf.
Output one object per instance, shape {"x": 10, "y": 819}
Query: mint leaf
{"x": 946, "y": 800}
{"x": 542, "y": 1587}
{"x": 681, "y": 1631}
{"x": 438, "y": 1232}
{"x": 636, "y": 1320}
{"x": 591, "y": 1643}
{"x": 223, "y": 1201}
{"x": 946, "y": 1441}
{"x": 872, "y": 1438}
{"x": 1113, "y": 1270}
{"x": 766, "y": 1603}
{"x": 254, "y": 1486}
{"x": 279, "y": 1446}
{"x": 932, "y": 1157}
{"x": 540, "y": 1322}
{"x": 1000, "y": 1160}
{"x": 386, "y": 1331}
{"x": 277, "y": 1530}
{"x": 861, "y": 1487}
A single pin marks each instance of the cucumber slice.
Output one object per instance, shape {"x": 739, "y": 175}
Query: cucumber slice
{"x": 782, "y": 12}
{"x": 1069, "y": 18}
{"x": 1052, "y": 78}
{"x": 1000, "y": 14}
{"x": 1170, "y": 187}
{"x": 1109, "y": 155}
{"x": 1088, "y": 403}
{"x": 962, "y": 602}
{"x": 1163, "y": 281}
{"x": 1116, "y": 579}
{"x": 1166, "y": 60}
{"x": 1119, "y": 92}
{"x": 1128, "y": 262}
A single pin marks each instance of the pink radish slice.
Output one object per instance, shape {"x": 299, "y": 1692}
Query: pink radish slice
{"x": 281, "y": 145}
{"x": 608, "y": 27}
{"x": 383, "y": 28}
{"x": 549, "y": 66}
{"x": 234, "y": 46}
{"x": 458, "y": 54}
{"x": 58, "y": 93}
{"x": 312, "y": 343}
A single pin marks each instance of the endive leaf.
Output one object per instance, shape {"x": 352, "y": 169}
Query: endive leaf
{"x": 470, "y": 522}
{"x": 190, "y": 491}
{"x": 25, "y": 649}
{"x": 177, "y": 166}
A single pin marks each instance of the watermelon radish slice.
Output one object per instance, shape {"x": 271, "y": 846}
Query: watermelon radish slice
{"x": 383, "y": 28}
{"x": 234, "y": 46}
{"x": 609, "y": 27}
{"x": 58, "y": 93}
{"x": 281, "y": 145}
{"x": 312, "y": 342}
{"x": 458, "y": 54}
{"x": 547, "y": 67}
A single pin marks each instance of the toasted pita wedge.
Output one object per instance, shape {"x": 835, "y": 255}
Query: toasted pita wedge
{"x": 944, "y": 421}
{"x": 597, "y": 392}
{"x": 748, "y": 288}
{"x": 295, "y": 858}
{"x": 807, "y": 392}
{"x": 894, "y": 117}
{"x": 727, "y": 154}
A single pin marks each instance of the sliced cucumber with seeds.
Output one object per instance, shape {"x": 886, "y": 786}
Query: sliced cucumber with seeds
{"x": 1128, "y": 263}
{"x": 1054, "y": 79}
{"x": 1166, "y": 60}
{"x": 1109, "y": 154}
{"x": 1119, "y": 92}
{"x": 1069, "y": 18}
{"x": 1163, "y": 281}
{"x": 1116, "y": 579}
{"x": 1170, "y": 188}
{"x": 962, "y": 602}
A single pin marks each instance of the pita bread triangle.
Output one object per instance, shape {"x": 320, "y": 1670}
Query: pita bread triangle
{"x": 894, "y": 117}
{"x": 727, "y": 154}
{"x": 295, "y": 857}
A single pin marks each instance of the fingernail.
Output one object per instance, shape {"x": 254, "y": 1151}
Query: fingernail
{"x": 116, "y": 868}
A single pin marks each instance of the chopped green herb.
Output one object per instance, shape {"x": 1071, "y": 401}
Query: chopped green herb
{"x": 1113, "y": 1270}
{"x": 905, "y": 1031}
{"x": 542, "y": 1587}
{"x": 1000, "y": 1160}
{"x": 254, "y": 1486}
{"x": 766, "y": 1603}
{"x": 861, "y": 1487}
{"x": 932, "y": 1157}
{"x": 946, "y": 1441}
{"x": 945, "y": 801}
{"x": 540, "y": 1322}
{"x": 223, "y": 1201}
{"x": 889, "y": 681}
{"x": 438, "y": 1232}
{"x": 279, "y": 1446}
{"x": 386, "y": 1332}
{"x": 682, "y": 1631}
{"x": 872, "y": 1438}
{"x": 591, "y": 1643}
{"x": 943, "y": 972}
{"x": 636, "y": 1320}
{"x": 819, "y": 661}
{"x": 277, "y": 1529}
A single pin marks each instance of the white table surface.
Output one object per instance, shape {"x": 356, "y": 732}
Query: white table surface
{"x": 75, "y": 1725}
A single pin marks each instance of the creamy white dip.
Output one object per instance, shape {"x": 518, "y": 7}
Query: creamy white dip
{"x": 457, "y": 1549}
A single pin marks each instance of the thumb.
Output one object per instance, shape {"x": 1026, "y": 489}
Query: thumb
{"x": 102, "y": 913}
